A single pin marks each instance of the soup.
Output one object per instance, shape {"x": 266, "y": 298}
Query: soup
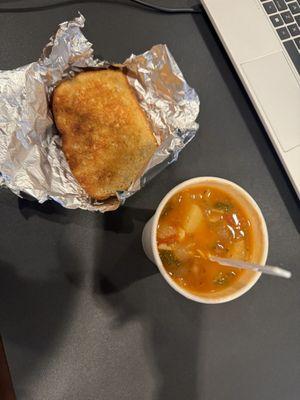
{"x": 199, "y": 222}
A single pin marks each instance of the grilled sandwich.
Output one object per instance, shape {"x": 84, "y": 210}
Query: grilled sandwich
{"x": 106, "y": 137}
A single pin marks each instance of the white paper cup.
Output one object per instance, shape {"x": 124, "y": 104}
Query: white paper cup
{"x": 260, "y": 247}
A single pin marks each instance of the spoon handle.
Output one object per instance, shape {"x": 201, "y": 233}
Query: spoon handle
{"x": 266, "y": 269}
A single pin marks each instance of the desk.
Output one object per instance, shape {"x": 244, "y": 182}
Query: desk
{"x": 84, "y": 315}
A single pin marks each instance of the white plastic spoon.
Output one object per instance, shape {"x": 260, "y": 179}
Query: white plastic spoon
{"x": 266, "y": 269}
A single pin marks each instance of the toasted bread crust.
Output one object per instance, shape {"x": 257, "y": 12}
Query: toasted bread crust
{"x": 106, "y": 136}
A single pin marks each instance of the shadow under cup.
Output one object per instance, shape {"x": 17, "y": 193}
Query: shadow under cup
{"x": 260, "y": 240}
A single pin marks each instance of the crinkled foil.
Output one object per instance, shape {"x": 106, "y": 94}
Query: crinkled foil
{"x": 32, "y": 162}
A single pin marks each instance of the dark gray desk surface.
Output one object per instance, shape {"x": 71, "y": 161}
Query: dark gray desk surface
{"x": 83, "y": 314}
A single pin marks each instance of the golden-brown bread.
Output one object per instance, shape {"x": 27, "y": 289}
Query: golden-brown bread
{"x": 106, "y": 136}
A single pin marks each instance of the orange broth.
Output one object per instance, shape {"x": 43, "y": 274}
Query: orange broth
{"x": 197, "y": 222}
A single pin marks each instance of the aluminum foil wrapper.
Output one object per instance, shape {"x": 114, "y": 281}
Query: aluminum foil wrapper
{"x": 32, "y": 162}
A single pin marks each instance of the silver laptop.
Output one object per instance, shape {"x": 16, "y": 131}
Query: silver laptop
{"x": 262, "y": 38}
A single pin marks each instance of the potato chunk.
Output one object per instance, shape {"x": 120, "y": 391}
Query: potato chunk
{"x": 194, "y": 219}
{"x": 238, "y": 250}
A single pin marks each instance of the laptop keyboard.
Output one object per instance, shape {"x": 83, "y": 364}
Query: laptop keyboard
{"x": 285, "y": 18}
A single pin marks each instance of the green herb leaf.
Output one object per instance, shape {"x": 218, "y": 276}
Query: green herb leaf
{"x": 223, "y": 278}
{"x": 168, "y": 258}
{"x": 223, "y": 206}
